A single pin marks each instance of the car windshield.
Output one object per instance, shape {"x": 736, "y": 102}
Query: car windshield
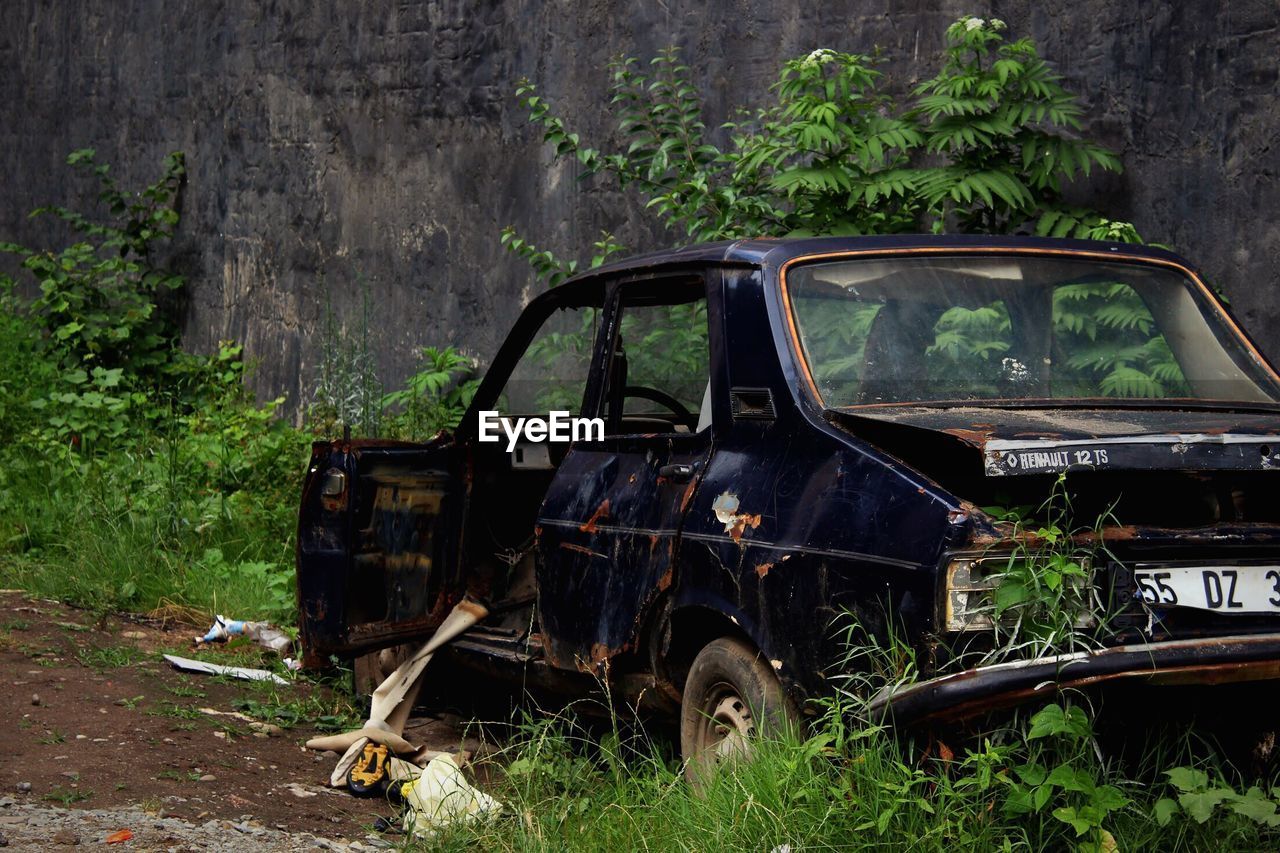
{"x": 965, "y": 328}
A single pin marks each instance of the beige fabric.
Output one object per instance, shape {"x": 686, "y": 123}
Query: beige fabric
{"x": 394, "y": 698}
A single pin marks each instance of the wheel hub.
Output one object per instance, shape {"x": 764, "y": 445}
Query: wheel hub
{"x": 731, "y": 727}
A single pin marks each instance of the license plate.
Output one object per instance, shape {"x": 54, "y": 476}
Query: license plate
{"x": 1221, "y": 589}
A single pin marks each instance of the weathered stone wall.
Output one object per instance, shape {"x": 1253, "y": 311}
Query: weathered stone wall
{"x": 334, "y": 147}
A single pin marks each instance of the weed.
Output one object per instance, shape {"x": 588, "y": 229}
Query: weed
{"x": 67, "y": 796}
{"x": 52, "y": 736}
{"x": 172, "y": 709}
{"x": 334, "y": 714}
{"x": 110, "y": 657}
{"x": 185, "y": 687}
{"x": 168, "y": 773}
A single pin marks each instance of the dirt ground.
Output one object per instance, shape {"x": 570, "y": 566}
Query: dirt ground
{"x": 102, "y": 731}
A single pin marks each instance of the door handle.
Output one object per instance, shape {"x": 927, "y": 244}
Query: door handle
{"x": 677, "y": 472}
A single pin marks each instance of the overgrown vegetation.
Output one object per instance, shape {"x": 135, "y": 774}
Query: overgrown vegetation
{"x": 985, "y": 145}
{"x": 134, "y": 474}
{"x": 1041, "y": 783}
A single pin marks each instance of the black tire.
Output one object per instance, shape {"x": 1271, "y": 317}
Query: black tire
{"x": 731, "y": 697}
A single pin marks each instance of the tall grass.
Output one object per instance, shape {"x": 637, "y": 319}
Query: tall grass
{"x": 156, "y": 523}
{"x": 566, "y": 785}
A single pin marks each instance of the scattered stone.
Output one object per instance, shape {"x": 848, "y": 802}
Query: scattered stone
{"x": 65, "y": 836}
{"x": 208, "y": 777}
{"x": 269, "y": 729}
{"x": 35, "y": 698}
{"x": 134, "y": 635}
{"x": 82, "y": 737}
{"x": 220, "y": 735}
{"x": 301, "y": 792}
{"x": 24, "y": 787}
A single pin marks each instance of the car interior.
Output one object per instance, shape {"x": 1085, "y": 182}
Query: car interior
{"x": 656, "y": 382}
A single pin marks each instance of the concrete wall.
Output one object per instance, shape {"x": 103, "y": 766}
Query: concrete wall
{"x": 339, "y": 146}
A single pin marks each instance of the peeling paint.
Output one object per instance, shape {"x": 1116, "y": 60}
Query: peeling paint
{"x": 735, "y": 523}
{"x": 763, "y": 569}
{"x": 776, "y": 664}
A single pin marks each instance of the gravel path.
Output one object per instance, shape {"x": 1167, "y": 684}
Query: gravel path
{"x": 27, "y": 826}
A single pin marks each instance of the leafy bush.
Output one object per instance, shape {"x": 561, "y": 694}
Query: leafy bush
{"x": 987, "y": 144}
{"x": 133, "y": 473}
{"x": 433, "y": 398}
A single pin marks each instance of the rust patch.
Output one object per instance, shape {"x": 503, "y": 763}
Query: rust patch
{"x": 592, "y": 523}
{"x": 763, "y": 569}
{"x": 975, "y": 437}
{"x": 664, "y": 582}
{"x": 580, "y": 549}
{"x": 688, "y": 494}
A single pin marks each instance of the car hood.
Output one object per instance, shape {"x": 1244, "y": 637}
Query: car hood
{"x": 1022, "y": 441}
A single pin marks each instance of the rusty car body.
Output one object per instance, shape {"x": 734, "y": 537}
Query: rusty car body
{"x": 823, "y": 473}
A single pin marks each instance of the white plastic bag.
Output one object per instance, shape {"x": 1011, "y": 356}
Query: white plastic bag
{"x": 441, "y": 796}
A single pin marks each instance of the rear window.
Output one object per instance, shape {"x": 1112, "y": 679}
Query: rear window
{"x": 973, "y": 327}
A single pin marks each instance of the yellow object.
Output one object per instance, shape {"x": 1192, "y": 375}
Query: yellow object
{"x": 441, "y": 796}
{"x": 370, "y": 768}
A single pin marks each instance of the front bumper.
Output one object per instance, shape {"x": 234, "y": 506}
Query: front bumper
{"x": 1212, "y": 660}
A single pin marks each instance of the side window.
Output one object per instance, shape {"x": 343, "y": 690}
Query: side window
{"x": 552, "y": 373}
{"x": 659, "y": 375}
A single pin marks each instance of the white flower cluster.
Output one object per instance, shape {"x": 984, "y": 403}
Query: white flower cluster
{"x": 821, "y": 56}
{"x": 977, "y": 23}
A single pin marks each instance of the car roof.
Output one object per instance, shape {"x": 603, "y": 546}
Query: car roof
{"x": 774, "y": 252}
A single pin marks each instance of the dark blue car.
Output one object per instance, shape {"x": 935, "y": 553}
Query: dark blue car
{"x": 805, "y": 435}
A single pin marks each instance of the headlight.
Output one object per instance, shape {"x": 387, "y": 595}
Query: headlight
{"x": 970, "y": 596}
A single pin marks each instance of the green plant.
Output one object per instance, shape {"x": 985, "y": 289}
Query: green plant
{"x": 1044, "y": 598}
{"x": 347, "y": 392}
{"x": 1059, "y": 771}
{"x": 1200, "y": 798}
{"x": 100, "y": 298}
{"x": 328, "y": 713}
{"x": 434, "y": 397}
{"x": 109, "y": 657}
{"x": 987, "y": 144}
{"x": 1000, "y": 119}
{"x": 67, "y": 796}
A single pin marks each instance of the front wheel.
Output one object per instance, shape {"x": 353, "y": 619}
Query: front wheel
{"x": 731, "y": 697}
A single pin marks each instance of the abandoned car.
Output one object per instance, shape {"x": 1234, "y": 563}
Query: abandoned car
{"x": 803, "y": 434}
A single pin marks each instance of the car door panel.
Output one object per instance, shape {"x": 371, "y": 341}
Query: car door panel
{"x": 608, "y": 534}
